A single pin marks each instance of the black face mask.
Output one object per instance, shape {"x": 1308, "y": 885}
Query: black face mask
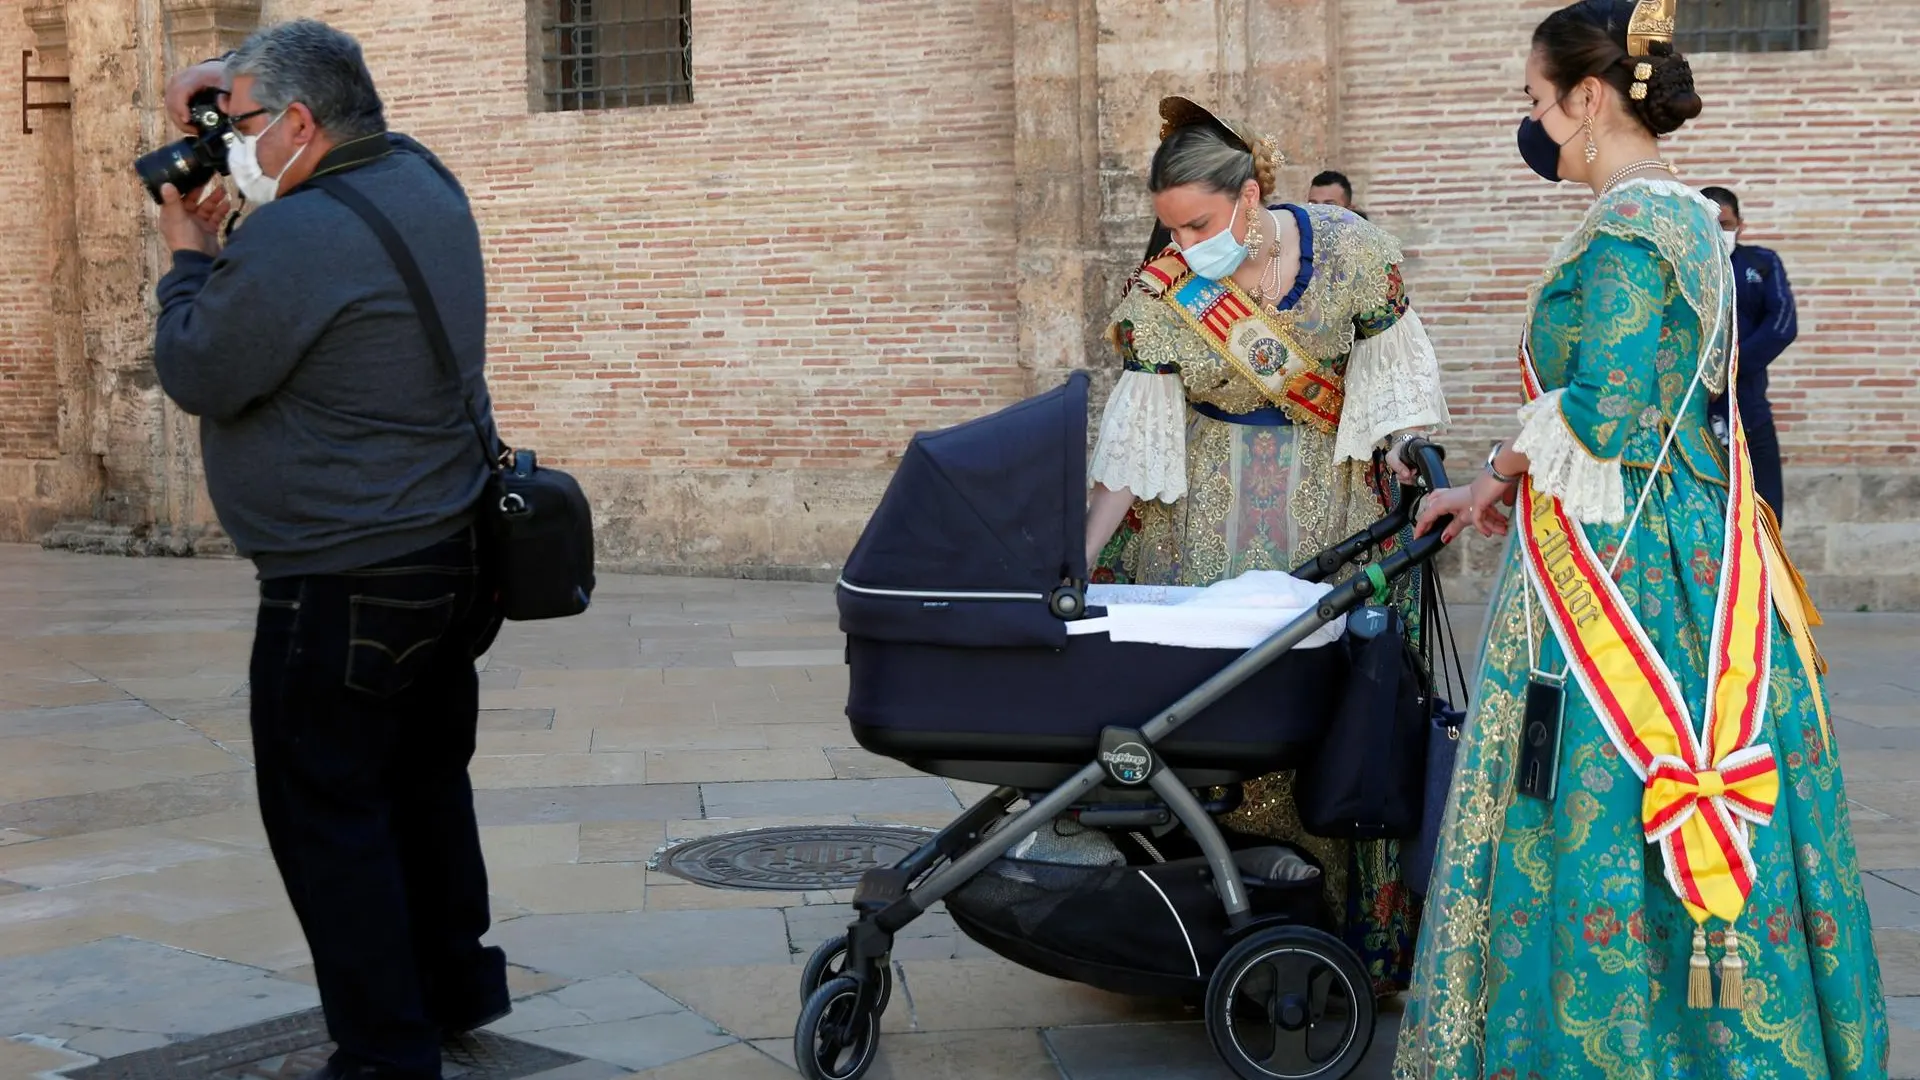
{"x": 1539, "y": 150}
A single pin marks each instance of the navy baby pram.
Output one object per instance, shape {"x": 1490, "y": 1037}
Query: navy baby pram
{"x": 956, "y": 603}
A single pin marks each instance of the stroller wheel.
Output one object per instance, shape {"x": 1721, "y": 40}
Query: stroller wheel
{"x": 829, "y": 962}
{"x": 833, "y": 1040}
{"x": 1288, "y": 1003}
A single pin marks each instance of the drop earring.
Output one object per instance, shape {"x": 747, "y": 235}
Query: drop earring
{"x": 1592, "y": 151}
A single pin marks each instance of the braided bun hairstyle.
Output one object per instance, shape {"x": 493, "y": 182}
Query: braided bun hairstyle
{"x": 1265, "y": 169}
{"x": 1211, "y": 157}
{"x": 1589, "y": 39}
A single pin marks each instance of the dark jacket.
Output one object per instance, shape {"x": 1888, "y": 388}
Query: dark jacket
{"x": 1768, "y": 324}
{"x": 330, "y": 436}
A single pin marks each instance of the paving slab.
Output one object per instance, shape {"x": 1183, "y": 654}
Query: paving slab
{"x": 135, "y": 804}
{"x": 588, "y": 946}
{"x": 636, "y": 1044}
{"x": 803, "y": 798}
{"x": 138, "y": 904}
{"x": 129, "y": 986}
{"x": 610, "y": 802}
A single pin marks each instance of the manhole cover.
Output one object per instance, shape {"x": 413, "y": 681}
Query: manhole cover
{"x": 292, "y": 1046}
{"x": 790, "y": 859}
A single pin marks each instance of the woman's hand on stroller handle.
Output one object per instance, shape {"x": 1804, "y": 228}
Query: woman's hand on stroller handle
{"x": 1415, "y": 458}
{"x": 1454, "y": 509}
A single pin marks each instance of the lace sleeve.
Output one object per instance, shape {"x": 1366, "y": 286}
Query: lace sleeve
{"x": 1392, "y": 385}
{"x": 1143, "y": 437}
{"x": 1591, "y": 491}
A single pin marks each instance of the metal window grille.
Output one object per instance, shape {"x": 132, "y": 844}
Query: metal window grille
{"x": 613, "y": 54}
{"x": 1750, "y": 25}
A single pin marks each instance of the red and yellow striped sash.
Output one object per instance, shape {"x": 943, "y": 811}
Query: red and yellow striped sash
{"x": 1705, "y": 787}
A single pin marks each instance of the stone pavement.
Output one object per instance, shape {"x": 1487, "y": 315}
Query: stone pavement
{"x": 139, "y": 907}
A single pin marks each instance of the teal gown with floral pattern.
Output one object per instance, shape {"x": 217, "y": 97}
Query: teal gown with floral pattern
{"x": 1554, "y": 948}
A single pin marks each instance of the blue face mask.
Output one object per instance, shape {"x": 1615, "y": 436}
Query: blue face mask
{"x": 1219, "y": 255}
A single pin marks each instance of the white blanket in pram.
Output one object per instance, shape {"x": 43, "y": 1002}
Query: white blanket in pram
{"x": 1238, "y": 613}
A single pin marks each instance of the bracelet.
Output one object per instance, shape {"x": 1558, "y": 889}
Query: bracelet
{"x": 1494, "y": 455}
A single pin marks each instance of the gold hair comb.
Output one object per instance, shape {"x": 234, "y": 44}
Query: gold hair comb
{"x": 1653, "y": 21}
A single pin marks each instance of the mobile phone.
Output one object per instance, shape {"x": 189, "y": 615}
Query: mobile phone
{"x": 1537, "y": 771}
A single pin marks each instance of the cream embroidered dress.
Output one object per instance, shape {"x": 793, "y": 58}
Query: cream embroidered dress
{"x": 1558, "y": 948}
{"x": 1229, "y": 479}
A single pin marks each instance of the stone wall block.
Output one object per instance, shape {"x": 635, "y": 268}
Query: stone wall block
{"x": 1824, "y": 494}
{"x": 1806, "y": 545}
{"x": 1897, "y": 592}
{"x": 1887, "y": 496}
{"x": 1871, "y": 551}
{"x": 1837, "y": 594}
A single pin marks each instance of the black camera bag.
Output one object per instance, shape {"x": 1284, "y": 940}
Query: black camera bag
{"x": 535, "y": 525}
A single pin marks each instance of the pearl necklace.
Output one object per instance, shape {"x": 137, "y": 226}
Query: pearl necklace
{"x": 1650, "y": 163}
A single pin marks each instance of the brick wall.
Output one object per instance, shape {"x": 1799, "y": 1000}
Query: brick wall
{"x": 29, "y": 388}
{"x": 1823, "y": 148}
{"x": 730, "y": 315}
{"x": 727, "y": 317}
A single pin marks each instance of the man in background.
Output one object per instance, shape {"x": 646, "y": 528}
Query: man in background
{"x": 1768, "y": 324}
{"x": 1332, "y": 189}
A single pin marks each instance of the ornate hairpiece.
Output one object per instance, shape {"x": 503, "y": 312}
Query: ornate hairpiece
{"x": 1652, "y": 22}
{"x": 1179, "y": 112}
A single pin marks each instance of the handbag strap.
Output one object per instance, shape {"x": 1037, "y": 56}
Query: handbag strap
{"x": 1437, "y": 621}
{"x": 423, "y": 304}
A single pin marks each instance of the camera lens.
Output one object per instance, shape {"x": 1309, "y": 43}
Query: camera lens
{"x": 184, "y": 164}
{"x": 191, "y": 162}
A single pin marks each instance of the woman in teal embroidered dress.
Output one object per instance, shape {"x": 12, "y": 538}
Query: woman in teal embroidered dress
{"x": 1558, "y": 946}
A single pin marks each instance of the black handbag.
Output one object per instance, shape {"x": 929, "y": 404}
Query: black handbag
{"x": 1444, "y": 725}
{"x": 535, "y": 525}
{"x": 1366, "y": 781}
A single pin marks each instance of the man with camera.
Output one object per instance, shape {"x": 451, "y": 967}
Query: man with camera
{"x": 346, "y": 462}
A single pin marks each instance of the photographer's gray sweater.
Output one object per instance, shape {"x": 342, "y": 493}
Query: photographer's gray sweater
{"x": 331, "y": 438}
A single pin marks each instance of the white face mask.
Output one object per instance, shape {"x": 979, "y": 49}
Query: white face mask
{"x": 1218, "y": 255}
{"x": 1729, "y": 237}
{"x": 243, "y": 162}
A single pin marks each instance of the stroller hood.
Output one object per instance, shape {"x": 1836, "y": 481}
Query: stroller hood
{"x": 980, "y": 523}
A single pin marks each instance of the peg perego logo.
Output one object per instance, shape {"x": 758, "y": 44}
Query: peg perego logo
{"x": 1127, "y": 762}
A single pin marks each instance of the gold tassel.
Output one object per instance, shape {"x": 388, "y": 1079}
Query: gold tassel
{"x": 1733, "y": 991}
{"x": 1700, "y": 973}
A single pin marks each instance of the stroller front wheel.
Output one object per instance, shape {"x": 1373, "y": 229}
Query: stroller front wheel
{"x": 835, "y": 1039}
{"x": 1290, "y": 1003}
{"x": 829, "y": 962}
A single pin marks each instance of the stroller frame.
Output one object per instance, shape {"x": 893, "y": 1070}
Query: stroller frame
{"x": 847, "y": 983}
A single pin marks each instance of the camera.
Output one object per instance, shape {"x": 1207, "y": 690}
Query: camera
{"x": 194, "y": 160}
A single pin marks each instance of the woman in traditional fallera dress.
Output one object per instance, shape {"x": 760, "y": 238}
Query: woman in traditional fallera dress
{"x": 1677, "y": 895}
{"x": 1268, "y": 364}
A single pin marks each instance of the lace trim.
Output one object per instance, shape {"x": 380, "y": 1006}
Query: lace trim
{"x": 1392, "y": 385}
{"x": 1143, "y": 438}
{"x": 1590, "y": 490}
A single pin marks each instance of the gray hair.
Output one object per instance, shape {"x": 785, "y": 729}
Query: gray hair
{"x": 312, "y": 63}
{"x": 1197, "y": 154}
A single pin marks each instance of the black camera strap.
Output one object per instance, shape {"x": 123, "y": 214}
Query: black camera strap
{"x": 423, "y": 304}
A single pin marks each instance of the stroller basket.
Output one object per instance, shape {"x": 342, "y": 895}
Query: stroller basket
{"x": 1150, "y": 931}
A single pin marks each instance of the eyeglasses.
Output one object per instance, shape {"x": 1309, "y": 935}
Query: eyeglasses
{"x": 235, "y": 120}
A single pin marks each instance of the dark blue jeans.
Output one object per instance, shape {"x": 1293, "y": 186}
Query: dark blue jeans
{"x": 364, "y": 710}
{"x": 1763, "y": 449}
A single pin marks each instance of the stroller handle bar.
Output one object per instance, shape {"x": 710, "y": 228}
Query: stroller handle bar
{"x": 1428, "y": 460}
